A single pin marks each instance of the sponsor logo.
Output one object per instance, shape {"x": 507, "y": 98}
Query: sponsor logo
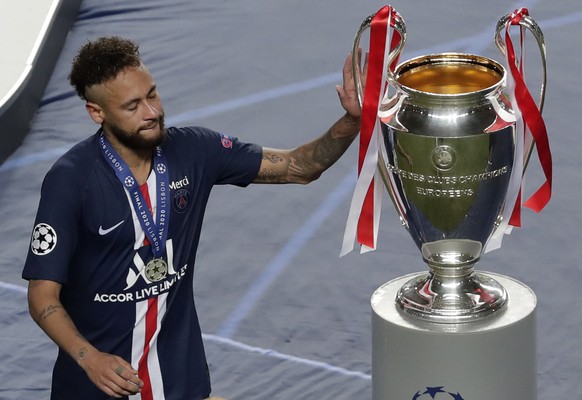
{"x": 146, "y": 280}
{"x": 104, "y": 232}
{"x": 179, "y": 184}
{"x": 142, "y": 293}
{"x": 44, "y": 239}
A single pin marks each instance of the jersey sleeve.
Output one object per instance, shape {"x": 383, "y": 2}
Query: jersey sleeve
{"x": 54, "y": 234}
{"x": 228, "y": 159}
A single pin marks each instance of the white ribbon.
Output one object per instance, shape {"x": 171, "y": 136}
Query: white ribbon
{"x": 516, "y": 179}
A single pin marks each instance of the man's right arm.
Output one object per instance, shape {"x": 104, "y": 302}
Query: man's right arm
{"x": 110, "y": 373}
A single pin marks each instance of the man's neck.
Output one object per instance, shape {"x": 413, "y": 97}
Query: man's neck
{"x": 139, "y": 161}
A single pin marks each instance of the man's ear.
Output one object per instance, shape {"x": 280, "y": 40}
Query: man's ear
{"x": 95, "y": 112}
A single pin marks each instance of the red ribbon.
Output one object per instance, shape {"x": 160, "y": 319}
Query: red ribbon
{"x": 532, "y": 117}
{"x": 378, "y": 33}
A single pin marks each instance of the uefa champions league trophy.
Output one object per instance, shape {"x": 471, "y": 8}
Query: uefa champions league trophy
{"x": 450, "y": 141}
{"x": 449, "y": 134}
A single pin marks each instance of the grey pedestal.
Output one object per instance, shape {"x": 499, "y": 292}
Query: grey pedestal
{"x": 490, "y": 359}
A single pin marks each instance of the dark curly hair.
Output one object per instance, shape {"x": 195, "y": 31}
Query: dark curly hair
{"x": 101, "y": 60}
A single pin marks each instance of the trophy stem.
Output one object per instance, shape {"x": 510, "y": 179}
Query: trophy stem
{"x": 452, "y": 291}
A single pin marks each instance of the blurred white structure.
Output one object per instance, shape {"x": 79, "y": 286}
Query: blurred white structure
{"x": 32, "y": 34}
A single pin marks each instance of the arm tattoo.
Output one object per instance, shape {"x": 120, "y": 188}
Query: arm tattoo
{"x": 311, "y": 160}
{"x": 302, "y": 164}
{"x": 307, "y": 162}
{"x": 48, "y": 311}
{"x": 82, "y": 353}
{"x": 271, "y": 176}
{"x": 65, "y": 320}
{"x": 329, "y": 149}
{"x": 44, "y": 314}
{"x": 273, "y": 173}
{"x": 273, "y": 158}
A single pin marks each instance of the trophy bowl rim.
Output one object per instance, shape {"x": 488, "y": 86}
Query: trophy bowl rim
{"x": 439, "y": 58}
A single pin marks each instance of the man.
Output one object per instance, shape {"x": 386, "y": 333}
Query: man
{"x": 111, "y": 261}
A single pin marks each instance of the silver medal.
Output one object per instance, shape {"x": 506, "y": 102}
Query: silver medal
{"x": 156, "y": 269}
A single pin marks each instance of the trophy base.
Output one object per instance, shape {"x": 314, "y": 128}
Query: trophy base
{"x": 493, "y": 358}
{"x": 452, "y": 300}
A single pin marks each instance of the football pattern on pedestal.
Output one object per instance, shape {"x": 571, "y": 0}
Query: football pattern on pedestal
{"x": 436, "y": 393}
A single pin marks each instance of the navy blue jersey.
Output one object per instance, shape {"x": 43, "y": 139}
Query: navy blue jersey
{"x": 88, "y": 238}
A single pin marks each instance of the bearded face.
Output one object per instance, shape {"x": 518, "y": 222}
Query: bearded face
{"x": 145, "y": 137}
{"x": 129, "y": 109}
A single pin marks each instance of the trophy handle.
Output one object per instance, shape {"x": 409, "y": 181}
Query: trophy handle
{"x": 528, "y": 23}
{"x": 398, "y": 25}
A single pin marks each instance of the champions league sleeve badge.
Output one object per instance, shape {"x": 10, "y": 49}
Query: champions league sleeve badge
{"x": 226, "y": 141}
{"x": 44, "y": 239}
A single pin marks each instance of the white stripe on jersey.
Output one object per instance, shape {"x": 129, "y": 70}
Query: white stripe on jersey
{"x": 153, "y": 359}
{"x": 139, "y": 332}
{"x": 139, "y": 342}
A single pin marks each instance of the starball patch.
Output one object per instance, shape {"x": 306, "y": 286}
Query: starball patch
{"x": 44, "y": 239}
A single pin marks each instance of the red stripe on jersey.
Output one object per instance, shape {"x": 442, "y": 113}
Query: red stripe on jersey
{"x": 151, "y": 327}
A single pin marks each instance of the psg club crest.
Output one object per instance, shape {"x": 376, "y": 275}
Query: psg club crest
{"x": 44, "y": 239}
{"x": 181, "y": 200}
{"x": 436, "y": 393}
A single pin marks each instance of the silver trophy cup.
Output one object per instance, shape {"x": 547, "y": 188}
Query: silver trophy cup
{"x": 449, "y": 134}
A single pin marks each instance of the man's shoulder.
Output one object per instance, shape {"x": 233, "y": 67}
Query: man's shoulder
{"x": 204, "y": 139}
{"x": 189, "y": 133}
{"x": 191, "y": 140}
{"x": 79, "y": 153}
{"x": 78, "y": 160}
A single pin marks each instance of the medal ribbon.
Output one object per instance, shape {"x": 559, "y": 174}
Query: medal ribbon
{"x": 366, "y": 201}
{"x": 156, "y": 232}
{"x": 534, "y": 126}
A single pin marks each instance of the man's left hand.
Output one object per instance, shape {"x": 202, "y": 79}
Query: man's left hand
{"x": 348, "y": 93}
